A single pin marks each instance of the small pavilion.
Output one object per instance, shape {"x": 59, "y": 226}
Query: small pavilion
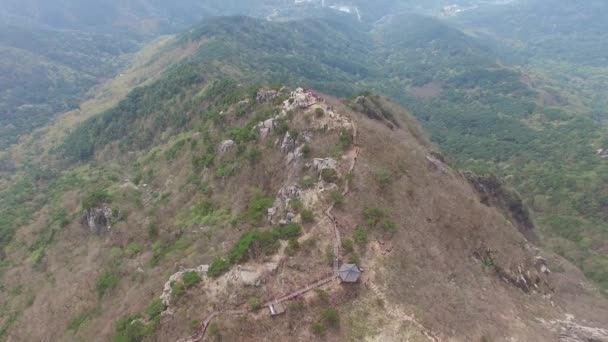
{"x": 349, "y": 273}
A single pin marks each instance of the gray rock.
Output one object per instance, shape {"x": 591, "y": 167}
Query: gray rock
{"x": 288, "y": 193}
{"x": 289, "y": 144}
{"x": 321, "y": 164}
{"x": 301, "y": 98}
{"x": 295, "y": 155}
{"x": 570, "y": 331}
{"x": 290, "y": 217}
{"x": 225, "y": 146}
{"x": 265, "y": 127}
{"x": 98, "y": 219}
{"x": 270, "y": 214}
{"x": 264, "y": 132}
{"x": 264, "y": 95}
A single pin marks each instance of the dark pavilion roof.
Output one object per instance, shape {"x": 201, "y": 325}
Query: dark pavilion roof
{"x": 349, "y": 273}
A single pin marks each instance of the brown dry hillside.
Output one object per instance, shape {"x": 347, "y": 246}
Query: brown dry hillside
{"x": 189, "y": 238}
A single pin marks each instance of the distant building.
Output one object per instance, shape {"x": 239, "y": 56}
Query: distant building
{"x": 276, "y": 309}
{"x": 349, "y": 273}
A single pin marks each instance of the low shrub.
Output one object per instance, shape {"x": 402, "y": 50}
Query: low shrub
{"x": 329, "y": 175}
{"x": 106, "y": 283}
{"x": 306, "y": 151}
{"x": 384, "y": 179}
{"x": 218, "y": 267}
{"x": 155, "y": 309}
{"x": 330, "y": 316}
{"x": 132, "y": 329}
{"x": 307, "y": 216}
{"x": 254, "y": 303}
{"x": 348, "y": 246}
{"x": 377, "y": 218}
{"x": 360, "y": 236}
{"x": 346, "y": 139}
{"x": 353, "y": 258}
{"x": 337, "y": 197}
{"x": 95, "y": 198}
{"x": 257, "y": 208}
{"x": 178, "y": 289}
{"x": 133, "y": 249}
{"x": 190, "y": 279}
{"x": 317, "y": 328}
{"x": 307, "y": 182}
{"x": 296, "y": 204}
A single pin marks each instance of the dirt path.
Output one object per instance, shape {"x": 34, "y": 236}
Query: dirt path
{"x": 353, "y": 154}
{"x": 303, "y": 290}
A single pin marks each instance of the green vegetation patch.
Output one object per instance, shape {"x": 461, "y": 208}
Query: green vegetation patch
{"x": 360, "y": 236}
{"x": 253, "y": 244}
{"x": 83, "y": 318}
{"x": 95, "y": 198}
{"x": 329, "y": 175}
{"x": 257, "y": 209}
{"x": 106, "y": 282}
{"x": 190, "y": 279}
{"x": 132, "y": 329}
{"x": 307, "y": 216}
{"x": 378, "y": 219}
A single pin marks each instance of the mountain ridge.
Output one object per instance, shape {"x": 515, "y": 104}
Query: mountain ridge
{"x": 197, "y": 181}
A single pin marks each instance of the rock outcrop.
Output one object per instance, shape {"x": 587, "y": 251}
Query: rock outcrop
{"x": 602, "y": 153}
{"x": 265, "y": 95}
{"x": 225, "y": 146}
{"x": 321, "y": 164}
{"x": 280, "y": 211}
{"x": 302, "y": 99}
{"x": 98, "y": 219}
{"x": 265, "y": 128}
{"x": 570, "y": 331}
{"x": 288, "y": 144}
{"x": 165, "y": 297}
{"x": 492, "y": 192}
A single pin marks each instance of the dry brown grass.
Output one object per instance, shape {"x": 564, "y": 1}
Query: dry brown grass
{"x": 426, "y": 269}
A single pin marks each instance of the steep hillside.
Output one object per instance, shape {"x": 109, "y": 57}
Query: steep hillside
{"x": 55, "y": 52}
{"x": 257, "y": 193}
{"x": 490, "y": 118}
{"x": 184, "y": 196}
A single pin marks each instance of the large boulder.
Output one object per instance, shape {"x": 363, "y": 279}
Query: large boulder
{"x": 288, "y": 144}
{"x": 302, "y": 98}
{"x": 321, "y": 164}
{"x": 266, "y": 127}
{"x": 98, "y": 219}
{"x": 225, "y": 146}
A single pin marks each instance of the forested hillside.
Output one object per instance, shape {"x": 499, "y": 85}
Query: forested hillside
{"x": 52, "y": 54}
{"x": 55, "y": 52}
{"x": 44, "y": 72}
{"x": 572, "y": 31}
